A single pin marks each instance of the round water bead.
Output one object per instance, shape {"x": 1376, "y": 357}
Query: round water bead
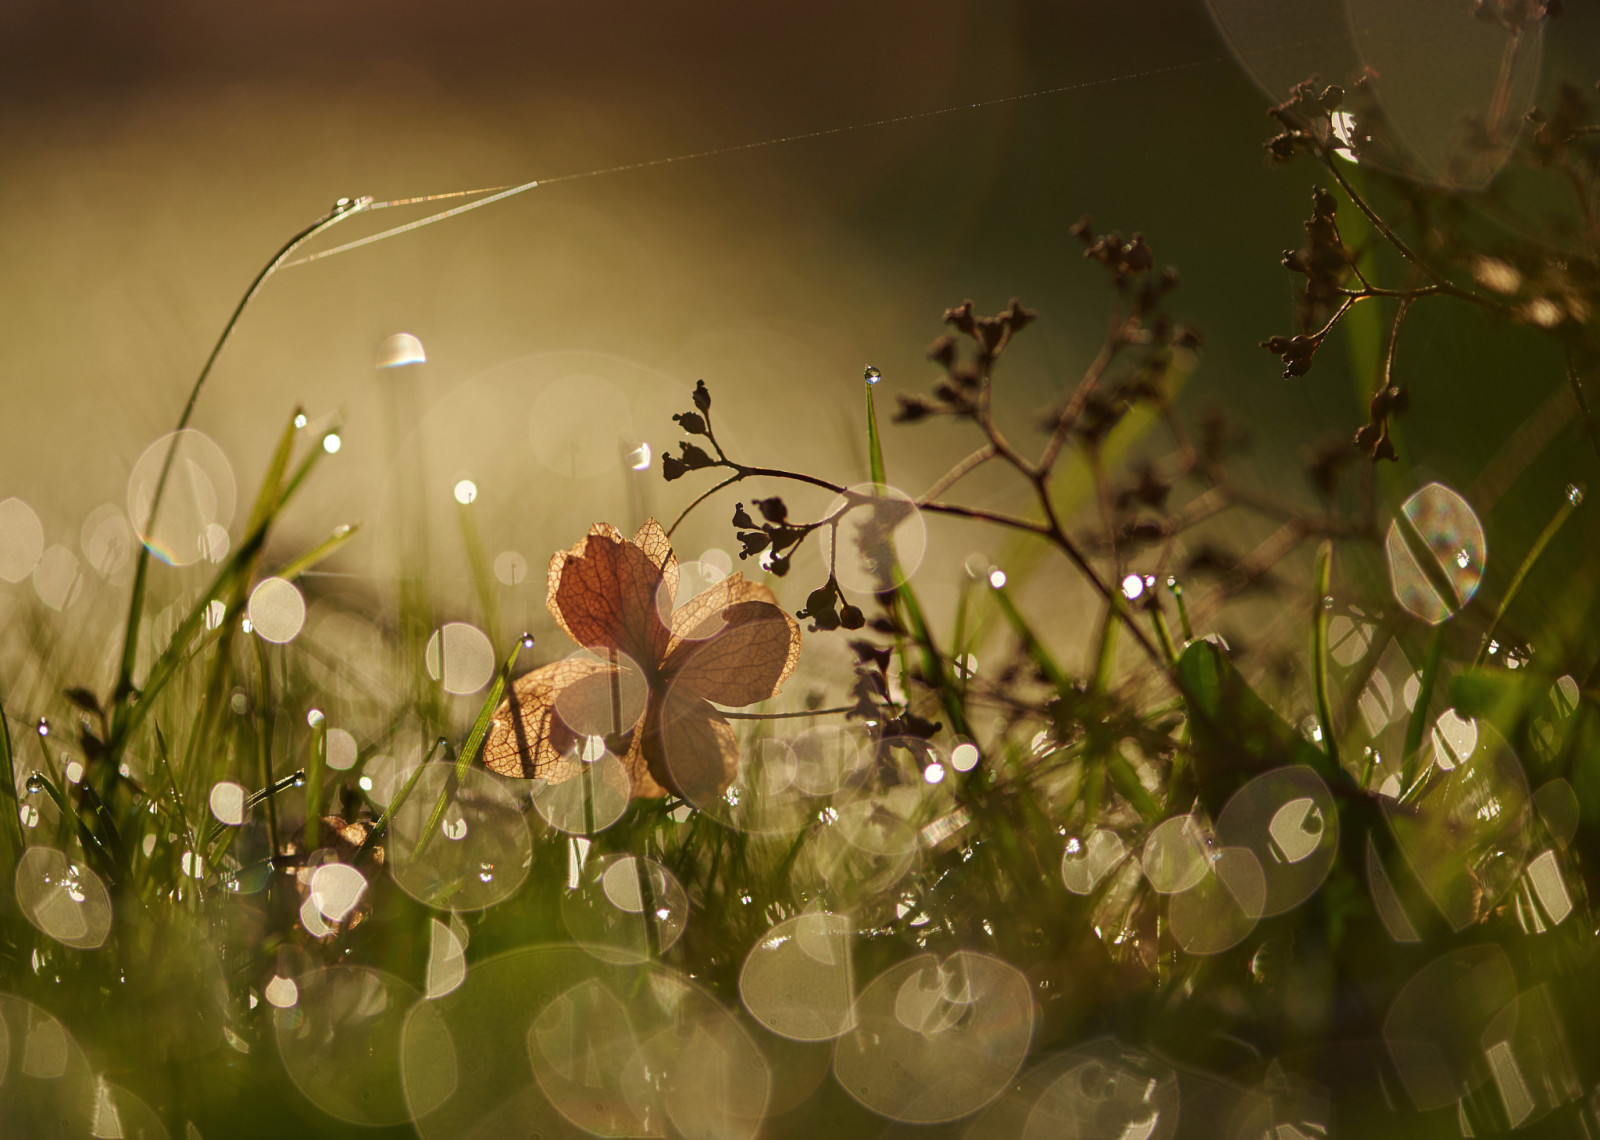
{"x": 107, "y": 543}
{"x": 1222, "y": 908}
{"x": 1175, "y": 854}
{"x": 56, "y": 579}
{"x": 825, "y": 758}
{"x": 1105, "y": 1089}
{"x": 796, "y": 980}
{"x": 1436, "y": 1023}
{"x": 342, "y": 751}
{"x": 1464, "y": 835}
{"x": 21, "y": 540}
{"x": 588, "y": 802}
{"x": 459, "y": 657}
{"x": 1087, "y": 861}
{"x": 46, "y": 1088}
{"x": 335, "y": 890}
{"x": 190, "y": 520}
{"x": 935, "y": 1041}
{"x": 510, "y": 568}
{"x": 64, "y": 900}
{"x": 478, "y": 853}
{"x": 858, "y": 851}
{"x": 277, "y": 610}
{"x": 881, "y": 538}
{"x": 1453, "y": 546}
{"x": 340, "y": 1042}
{"x": 1287, "y": 820}
{"x": 227, "y": 802}
{"x": 399, "y": 350}
{"x": 548, "y": 1040}
{"x": 625, "y": 909}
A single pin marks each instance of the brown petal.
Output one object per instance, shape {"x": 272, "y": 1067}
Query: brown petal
{"x": 526, "y": 738}
{"x": 603, "y": 593}
{"x": 745, "y": 662}
{"x": 689, "y": 748}
{"x": 657, "y": 547}
{"x": 701, "y": 616}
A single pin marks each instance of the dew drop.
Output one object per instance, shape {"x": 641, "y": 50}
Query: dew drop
{"x": 1574, "y": 494}
{"x": 997, "y": 578}
{"x": 314, "y": 717}
{"x": 1132, "y": 587}
{"x": 871, "y": 375}
{"x": 299, "y": 778}
{"x": 44, "y": 727}
{"x": 300, "y": 420}
{"x": 331, "y": 442}
{"x": 466, "y": 491}
{"x": 933, "y": 773}
{"x": 35, "y": 784}
{"x": 527, "y": 641}
{"x": 485, "y": 872}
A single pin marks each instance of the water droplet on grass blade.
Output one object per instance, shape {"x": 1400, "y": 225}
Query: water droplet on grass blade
{"x": 871, "y": 375}
{"x": 466, "y": 492}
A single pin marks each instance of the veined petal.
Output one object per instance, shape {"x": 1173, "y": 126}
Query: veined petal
{"x": 746, "y": 661}
{"x": 657, "y": 547}
{"x": 690, "y": 748}
{"x": 526, "y": 738}
{"x": 701, "y": 616}
{"x": 604, "y": 592}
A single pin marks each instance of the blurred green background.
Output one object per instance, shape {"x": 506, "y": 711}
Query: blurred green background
{"x": 155, "y": 156}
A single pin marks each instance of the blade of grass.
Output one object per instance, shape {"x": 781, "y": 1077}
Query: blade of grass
{"x": 1557, "y": 521}
{"x": 377, "y": 830}
{"x": 1319, "y": 650}
{"x": 10, "y": 776}
{"x": 130, "y": 637}
{"x": 319, "y": 749}
{"x": 469, "y": 751}
{"x": 341, "y": 535}
{"x": 1416, "y": 726}
{"x": 166, "y": 665}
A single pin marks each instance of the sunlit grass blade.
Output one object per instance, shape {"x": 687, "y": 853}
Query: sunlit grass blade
{"x": 469, "y": 751}
{"x": 1557, "y": 521}
{"x": 165, "y": 756}
{"x": 10, "y": 775}
{"x": 1035, "y": 649}
{"x": 319, "y": 754}
{"x": 237, "y": 570}
{"x": 298, "y": 566}
{"x": 1417, "y": 724}
{"x": 1319, "y": 650}
{"x": 377, "y": 831}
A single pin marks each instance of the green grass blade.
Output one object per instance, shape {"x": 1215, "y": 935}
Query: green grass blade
{"x": 1417, "y": 725}
{"x": 319, "y": 756}
{"x": 874, "y": 441}
{"x": 1557, "y": 521}
{"x": 340, "y": 536}
{"x": 469, "y": 751}
{"x": 376, "y": 832}
{"x": 10, "y": 776}
{"x": 1319, "y": 650}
